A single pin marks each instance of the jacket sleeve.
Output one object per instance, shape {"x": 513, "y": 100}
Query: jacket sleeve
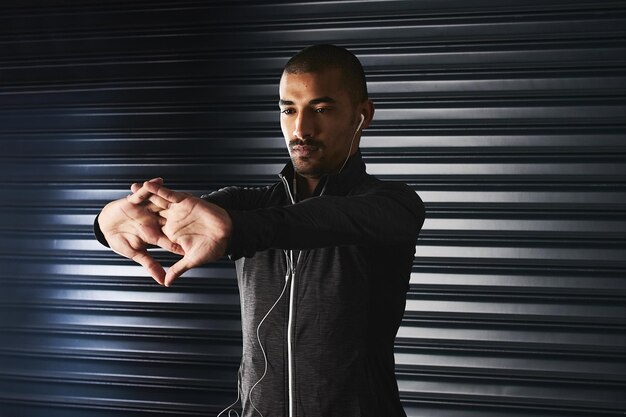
{"x": 239, "y": 198}
{"x": 387, "y": 214}
{"x": 98, "y": 233}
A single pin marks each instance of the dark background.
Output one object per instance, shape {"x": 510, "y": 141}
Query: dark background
{"x": 507, "y": 117}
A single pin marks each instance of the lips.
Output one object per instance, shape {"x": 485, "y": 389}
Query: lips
{"x": 304, "y": 150}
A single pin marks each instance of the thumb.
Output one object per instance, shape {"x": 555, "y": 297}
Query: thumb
{"x": 177, "y": 270}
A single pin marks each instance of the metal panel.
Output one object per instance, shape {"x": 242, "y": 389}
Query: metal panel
{"x": 508, "y": 118}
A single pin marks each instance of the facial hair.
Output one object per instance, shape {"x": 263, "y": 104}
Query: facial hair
{"x": 316, "y": 170}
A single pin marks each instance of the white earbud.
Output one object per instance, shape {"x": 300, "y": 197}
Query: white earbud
{"x": 360, "y": 123}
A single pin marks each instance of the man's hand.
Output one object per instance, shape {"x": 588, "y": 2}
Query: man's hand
{"x": 131, "y": 224}
{"x": 200, "y": 228}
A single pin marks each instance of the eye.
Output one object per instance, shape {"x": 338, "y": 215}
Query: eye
{"x": 322, "y": 110}
{"x": 287, "y": 111}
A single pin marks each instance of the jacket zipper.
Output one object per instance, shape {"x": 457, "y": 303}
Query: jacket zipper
{"x": 290, "y": 370}
{"x": 292, "y": 272}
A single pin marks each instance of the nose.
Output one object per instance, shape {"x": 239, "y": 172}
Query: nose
{"x": 304, "y": 126}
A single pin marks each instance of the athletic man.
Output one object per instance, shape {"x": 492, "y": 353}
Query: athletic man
{"x": 323, "y": 256}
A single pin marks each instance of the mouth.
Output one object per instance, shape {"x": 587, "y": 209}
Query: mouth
{"x": 304, "y": 148}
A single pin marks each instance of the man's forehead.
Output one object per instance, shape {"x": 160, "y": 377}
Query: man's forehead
{"x": 313, "y": 101}
{"x": 314, "y": 85}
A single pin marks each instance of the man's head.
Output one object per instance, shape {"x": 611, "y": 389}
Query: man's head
{"x": 322, "y": 97}
{"x": 318, "y": 58}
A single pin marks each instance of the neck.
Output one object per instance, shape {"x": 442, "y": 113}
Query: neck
{"x": 305, "y": 186}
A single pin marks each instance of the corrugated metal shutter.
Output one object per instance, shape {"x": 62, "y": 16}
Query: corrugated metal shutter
{"x": 508, "y": 118}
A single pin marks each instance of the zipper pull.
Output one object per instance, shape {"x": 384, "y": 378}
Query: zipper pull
{"x": 289, "y": 261}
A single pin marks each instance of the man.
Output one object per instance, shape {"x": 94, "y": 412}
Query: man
{"x": 323, "y": 256}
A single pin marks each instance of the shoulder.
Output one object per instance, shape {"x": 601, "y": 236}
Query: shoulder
{"x": 371, "y": 183}
{"x": 399, "y": 191}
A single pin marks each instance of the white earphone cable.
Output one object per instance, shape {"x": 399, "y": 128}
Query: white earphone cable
{"x": 258, "y": 336}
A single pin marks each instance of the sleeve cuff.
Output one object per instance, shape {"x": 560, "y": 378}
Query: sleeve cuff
{"x": 98, "y": 233}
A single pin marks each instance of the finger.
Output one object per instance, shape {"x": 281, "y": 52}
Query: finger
{"x": 136, "y": 186}
{"x": 176, "y": 271}
{"x": 170, "y": 246}
{"x": 156, "y": 236}
{"x": 153, "y": 203}
{"x": 153, "y": 267}
{"x": 152, "y": 208}
{"x": 158, "y": 202}
{"x": 139, "y": 193}
{"x": 139, "y": 196}
{"x": 164, "y": 192}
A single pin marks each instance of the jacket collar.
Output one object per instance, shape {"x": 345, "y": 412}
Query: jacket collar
{"x": 333, "y": 184}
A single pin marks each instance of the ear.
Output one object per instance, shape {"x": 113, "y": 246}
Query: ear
{"x": 367, "y": 111}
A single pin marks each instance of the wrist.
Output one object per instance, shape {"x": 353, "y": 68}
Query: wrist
{"x": 225, "y": 227}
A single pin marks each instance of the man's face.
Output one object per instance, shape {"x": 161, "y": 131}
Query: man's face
{"x": 318, "y": 119}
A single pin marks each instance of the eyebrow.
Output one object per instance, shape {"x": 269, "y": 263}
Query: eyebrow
{"x": 319, "y": 100}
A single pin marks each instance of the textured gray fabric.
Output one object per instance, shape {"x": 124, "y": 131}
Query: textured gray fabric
{"x": 356, "y": 238}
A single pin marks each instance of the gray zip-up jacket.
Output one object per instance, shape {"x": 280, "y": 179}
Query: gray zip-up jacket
{"x": 323, "y": 283}
{"x": 329, "y": 339}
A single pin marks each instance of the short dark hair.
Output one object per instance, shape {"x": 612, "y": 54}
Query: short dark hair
{"x": 318, "y": 58}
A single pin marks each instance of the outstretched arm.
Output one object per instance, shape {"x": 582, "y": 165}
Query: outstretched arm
{"x": 386, "y": 213}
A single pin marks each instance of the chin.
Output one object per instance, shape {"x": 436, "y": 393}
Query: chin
{"x": 304, "y": 167}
